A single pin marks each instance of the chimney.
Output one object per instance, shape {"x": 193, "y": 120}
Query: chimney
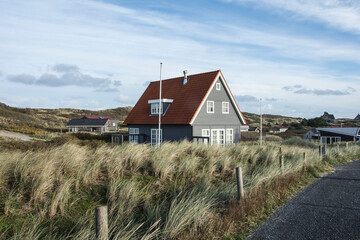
{"x": 185, "y": 77}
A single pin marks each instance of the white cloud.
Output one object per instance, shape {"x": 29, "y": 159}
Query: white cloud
{"x": 341, "y": 14}
{"x": 67, "y": 75}
{"x": 124, "y": 99}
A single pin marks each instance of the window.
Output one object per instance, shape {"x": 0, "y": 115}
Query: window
{"x": 155, "y": 108}
{"x": 229, "y": 136}
{"x": 210, "y": 107}
{"x": 218, "y": 137}
{"x": 218, "y": 86}
{"x": 133, "y": 135}
{"x": 221, "y": 138}
{"x": 133, "y": 131}
{"x": 134, "y": 139}
{"x": 155, "y": 136}
{"x": 206, "y": 132}
{"x": 114, "y": 124}
{"x": 225, "y": 107}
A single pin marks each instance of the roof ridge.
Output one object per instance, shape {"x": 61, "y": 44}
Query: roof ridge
{"x": 187, "y": 75}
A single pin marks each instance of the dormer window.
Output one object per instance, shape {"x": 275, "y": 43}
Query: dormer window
{"x": 154, "y": 106}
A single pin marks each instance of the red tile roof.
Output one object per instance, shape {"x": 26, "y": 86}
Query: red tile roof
{"x": 98, "y": 117}
{"x": 187, "y": 99}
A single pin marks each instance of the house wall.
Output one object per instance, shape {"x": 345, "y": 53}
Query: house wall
{"x": 344, "y": 138}
{"x": 217, "y": 120}
{"x": 170, "y": 132}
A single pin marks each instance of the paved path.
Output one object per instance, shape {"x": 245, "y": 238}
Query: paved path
{"x": 19, "y": 136}
{"x": 327, "y": 209}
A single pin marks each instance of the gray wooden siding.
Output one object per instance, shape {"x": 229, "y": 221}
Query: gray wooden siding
{"x": 171, "y": 132}
{"x": 217, "y": 120}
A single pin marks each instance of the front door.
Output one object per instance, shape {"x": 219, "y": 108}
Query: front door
{"x": 218, "y": 137}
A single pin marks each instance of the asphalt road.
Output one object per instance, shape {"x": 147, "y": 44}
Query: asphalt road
{"x": 327, "y": 209}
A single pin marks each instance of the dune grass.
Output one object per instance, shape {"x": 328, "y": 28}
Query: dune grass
{"x": 179, "y": 191}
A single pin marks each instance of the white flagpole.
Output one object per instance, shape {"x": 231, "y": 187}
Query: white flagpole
{"x": 260, "y": 123}
{"x": 160, "y": 109}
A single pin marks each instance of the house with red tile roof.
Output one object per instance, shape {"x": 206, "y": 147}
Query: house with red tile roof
{"x": 199, "y": 106}
{"x": 94, "y": 124}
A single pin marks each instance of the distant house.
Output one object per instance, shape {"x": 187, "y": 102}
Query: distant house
{"x": 112, "y": 121}
{"x": 357, "y": 117}
{"x": 95, "y": 124}
{"x": 329, "y": 118}
{"x": 333, "y": 135}
{"x": 244, "y": 128}
{"x": 312, "y": 134}
{"x": 254, "y": 129}
{"x": 199, "y": 106}
{"x": 279, "y": 129}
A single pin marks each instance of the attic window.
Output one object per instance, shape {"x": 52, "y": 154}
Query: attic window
{"x": 155, "y": 109}
{"x": 225, "y": 107}
{"x": 210, "y": 107}
{"x": 218, "y": 86}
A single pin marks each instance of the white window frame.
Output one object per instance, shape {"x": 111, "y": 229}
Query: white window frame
{"x": 225, "y": 107}
{"x": 155, "y": 108}
{"x": 208, "y": 106}
{"x": 154, "y": 134}
{"x": 133, "y": 131}
{"x": 205, "y": 133}
{"x": 134, "y": 139}
{"x": 229, "y": 136}
{"x": 218, "y": 137}
{"x": 218, "y": 86}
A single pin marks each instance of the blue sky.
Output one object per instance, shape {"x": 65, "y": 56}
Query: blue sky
{"x": 301, "y": 57}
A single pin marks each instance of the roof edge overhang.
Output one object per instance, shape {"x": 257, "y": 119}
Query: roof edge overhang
{"x": 163, "y": 100}
{"x": 350, "y": 135}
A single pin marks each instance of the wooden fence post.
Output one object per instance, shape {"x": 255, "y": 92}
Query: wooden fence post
{"x": 101, "y": 223}
{"x": 338, "y": 147}
{"x": 281, "y": 162}
{"x": 347, "y": 145}
{"x": 239, "y": 183}
{"x": 304, "y": 158}
{"x": 321, "y": 152}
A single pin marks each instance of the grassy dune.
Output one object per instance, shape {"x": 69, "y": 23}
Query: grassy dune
{"x": 37, "y": 121}
{"x": 180, "y": 191}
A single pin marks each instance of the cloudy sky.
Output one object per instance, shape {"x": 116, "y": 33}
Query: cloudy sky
{"x": 302, "y": 57}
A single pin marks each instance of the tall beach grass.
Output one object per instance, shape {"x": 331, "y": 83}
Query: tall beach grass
{"x": 179, "y": 191}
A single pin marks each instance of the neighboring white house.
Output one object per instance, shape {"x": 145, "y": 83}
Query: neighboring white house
{"x": 279, "y": 129}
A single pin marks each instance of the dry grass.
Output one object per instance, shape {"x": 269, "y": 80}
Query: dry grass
{"x": 180, "y": 191}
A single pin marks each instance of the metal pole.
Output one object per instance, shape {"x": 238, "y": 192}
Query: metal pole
{"x": 260, "y": 123}
{"x": 160, "y": 108}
